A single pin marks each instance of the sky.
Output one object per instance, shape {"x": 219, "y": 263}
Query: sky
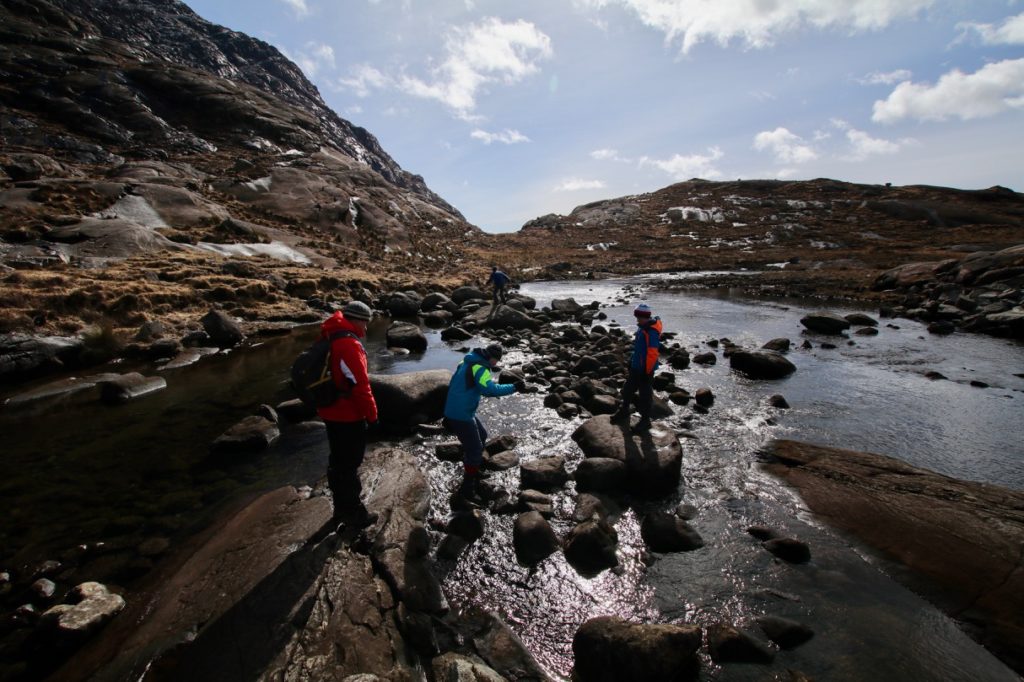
{"x": 513, "y": 109}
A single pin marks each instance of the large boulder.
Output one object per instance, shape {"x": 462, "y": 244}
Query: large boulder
{"x": 463, "y": 294}
{"x": 729, "y": 644}
{"x": 95, "y": 606}
{"x": 761, "y": 364}
{"x": 825, "y": 323}
{"x": 609, "y": 649}
{"x": 590, "y": 546}
{"x": 911, "y": 273}
{"x": 666, "y": 532}
{"x": 223, "y": 331}
{"x": 566, "y": 305}
{"x": 502, "y": 317}
{"x": 533, "y": 538}
{"x": 544, "y": 473}
{"x": 406, "y": 335}
{"x": 599, "y": 474}
{"x": 405, "y": 400}
{"x": 653, "y": 460}
{"x": 22, "y": 355}
{"x": 402, "y": 305}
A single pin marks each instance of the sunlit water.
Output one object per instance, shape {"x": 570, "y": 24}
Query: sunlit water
{"x": 80, "y": 471}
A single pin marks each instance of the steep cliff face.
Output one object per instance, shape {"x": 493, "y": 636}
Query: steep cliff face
{"x": 137, "y": 139}
{"x": 133, "y": 74}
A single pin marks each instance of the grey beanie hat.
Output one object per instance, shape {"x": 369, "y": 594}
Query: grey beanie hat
{"x": 357, "y": 310}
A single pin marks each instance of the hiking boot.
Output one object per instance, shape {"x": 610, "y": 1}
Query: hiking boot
{"x": 469, "y": 492}
{"x": 620, "y": 416}
{"x": 642, "y": 426}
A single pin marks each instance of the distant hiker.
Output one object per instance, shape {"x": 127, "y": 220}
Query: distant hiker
{"x": 642, "y": 364}
{"x": 473, "y": 378}
{"x": 500, "y": 282}
{"x": 348, "y": 417}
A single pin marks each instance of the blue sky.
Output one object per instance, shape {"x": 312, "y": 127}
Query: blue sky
{"x": 514, "y": 109}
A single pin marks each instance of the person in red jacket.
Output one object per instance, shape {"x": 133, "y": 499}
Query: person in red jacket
{"x": 348, "y": 417}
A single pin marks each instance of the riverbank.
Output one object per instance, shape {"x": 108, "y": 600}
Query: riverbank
{"x": 577, "y": 365}
{"x": 958, "y": 542}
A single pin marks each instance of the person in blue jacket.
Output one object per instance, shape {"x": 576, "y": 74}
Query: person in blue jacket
{"x": 500, "y": 281}
{"x": 473, "y": 378}
{"x": 646, "y": 347}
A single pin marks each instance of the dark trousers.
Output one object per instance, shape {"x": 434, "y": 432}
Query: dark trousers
{"x": 472, "y": 435}
{"x": 500, "y": 295}
{"x": 638, "y": 383}
{"x": 348, "y": 446}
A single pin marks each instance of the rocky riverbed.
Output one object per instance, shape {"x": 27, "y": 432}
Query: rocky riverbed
{"x": 375, "y": 604}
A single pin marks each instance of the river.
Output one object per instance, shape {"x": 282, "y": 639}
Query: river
{"x": 77, "y": 471}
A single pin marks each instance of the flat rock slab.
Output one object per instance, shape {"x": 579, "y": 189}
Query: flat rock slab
{"x": 961, "y": 540}
{"x": 129, "y": 386}
{"x": 252, "y": 434}
{"x": 653, "y": 460}
{"x": 59, "y": 389}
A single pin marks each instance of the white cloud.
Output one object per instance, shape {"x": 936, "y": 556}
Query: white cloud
{"x": 609, "y": 155}
{"x": 787, "y": 147}
{"x": 505, "y": 137}
{"x": 299, "y": 6}
{"x": 490, "y": 52}
{"x": 886, "y": 78}
{"x": 685, "y": 167}
{"x": 363, "y": 79}
{"x": 758, "y": 23}
{"x": 576, "y": 184}
{"x": 313, "y": 57}
{"x": 1010, "y": 32}
{"x": 863, "y": 145}
{"x": 991, "y": 90}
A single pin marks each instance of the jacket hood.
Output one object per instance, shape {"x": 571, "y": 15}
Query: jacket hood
{"x": 476, "y": 356}
{"x": 338, "y": 323}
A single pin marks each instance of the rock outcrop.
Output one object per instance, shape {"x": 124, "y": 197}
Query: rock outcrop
{"x": 961, "y": 540}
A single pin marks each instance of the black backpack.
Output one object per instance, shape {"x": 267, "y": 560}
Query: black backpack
{"x": 311, "y": 373}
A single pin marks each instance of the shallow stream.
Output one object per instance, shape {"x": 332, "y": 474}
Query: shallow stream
{"x": 77, "y": 471}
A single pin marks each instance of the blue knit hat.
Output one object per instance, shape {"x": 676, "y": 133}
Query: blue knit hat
{"x": 642, "y": 311}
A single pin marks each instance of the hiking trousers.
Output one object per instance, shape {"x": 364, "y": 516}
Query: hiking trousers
{"x": 638, "y": 383}
{"x": 347, "y": 441}
{"x": 472, "y": 435}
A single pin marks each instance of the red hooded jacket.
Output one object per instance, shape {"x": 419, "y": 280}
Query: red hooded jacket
{"x": 348, "y": 368}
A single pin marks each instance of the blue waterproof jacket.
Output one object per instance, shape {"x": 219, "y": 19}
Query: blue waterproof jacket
{"x": 463, "y": 399}
{"x": 646, "y": 345}
{"x": 498, "y": 278}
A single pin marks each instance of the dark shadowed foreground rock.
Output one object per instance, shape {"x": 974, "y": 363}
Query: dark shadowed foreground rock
{"x": 252, "y": 434}
{"x": 961, "y": 540}
{"x": 611, "y": 649}
{"x": 653, "y": 461}
{"x": 405, "y": 400}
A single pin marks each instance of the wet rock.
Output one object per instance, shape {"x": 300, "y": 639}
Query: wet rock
{"x": 679, "y": 359}
{"x": 825, "y": 323}
{"x": 686, "y": 511}
{"x": 406, "y": 335}
{"x": 501, "y": 443}
{"x": 437, "y": 319}
{"x": 866, "y": 331}
{"x": 653, "y": 461}
{"x": 449, "y": 452}
{"x": 861, "y": 320}
{"x": 609, "y": 648}
{"x": 934, "y": 376}
{"x": 501, "y": 461}
{"x": 600, "y": 474}
{"x": 252, "y": 434}
{"x": 704, "y": 397}
{"x": 705, "y": 358}
{"x": 452, "y": 667}
{"x": 223, "y": 331}
{"x": 58, "y": 389}
{"x": 502, "y": 317}
{"x": 535, "y": 500}
{"x": 436, "y": 301}
{"x": 778, "y": 401}
{"x": 663, "y": 381}
{"x": 665, "y": 532}
{"x": 401, "y": 304}
{"x": 129, "y": 386}
{"x": 780, "y": 345}
{"x": 761, "y": 364}
{"x": 727, "y": 644}
{"x": 788, "y": 634}
{"x": 941, "y": 327}
{"x": 590, "y": 547}
{"x": 565, "y": 305}
{"x": 533, "y": 538}
{"x": 544, "y": 473}
{"x": 96, "y": 607}
{"x": 466, "y": 293}
{"x": 680, "y": 397}
{"x": 43, "y": 589}
{"x": 295, "y": 411}
{"x": 763, "y": 533}
{"x": 505, "y": 652}
{"x": 468, "y": 525}
{"x": 789, "y": 549}
{"x": 23, "y": 356}
{"x": 455, "y": 334}
{"x": 589, "y": 505}
{"x": 405, "y": 400}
